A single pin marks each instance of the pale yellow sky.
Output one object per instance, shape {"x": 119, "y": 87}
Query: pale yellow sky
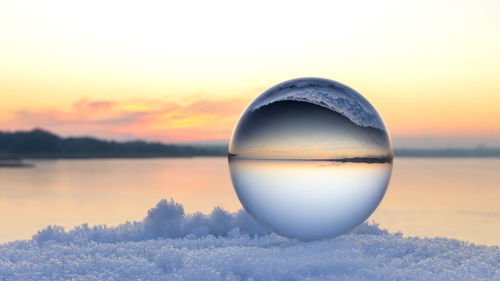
{"x": 429, "y": 67}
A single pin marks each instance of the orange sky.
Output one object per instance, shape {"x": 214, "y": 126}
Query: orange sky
{"x": 185, "y": 71}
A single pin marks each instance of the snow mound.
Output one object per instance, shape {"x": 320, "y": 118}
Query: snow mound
{"x": 171, "y": 245}
{"x": 326, "y": 93}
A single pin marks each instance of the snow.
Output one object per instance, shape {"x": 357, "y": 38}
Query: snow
{"x": 327, "y": 93}
{"x": 171, "y": 245}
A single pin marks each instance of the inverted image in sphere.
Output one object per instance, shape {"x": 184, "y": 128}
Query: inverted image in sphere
{"x": 310, "y": 158}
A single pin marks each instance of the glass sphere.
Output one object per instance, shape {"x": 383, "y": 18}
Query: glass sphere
{"x": 310, "y": 158}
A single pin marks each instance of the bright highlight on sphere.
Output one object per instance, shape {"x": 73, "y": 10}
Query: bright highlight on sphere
{"x": 310, "y": 158}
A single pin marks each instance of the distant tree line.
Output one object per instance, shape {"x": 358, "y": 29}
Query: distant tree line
{"x": 448, "y": 152}
{"x": 42, "y": 144}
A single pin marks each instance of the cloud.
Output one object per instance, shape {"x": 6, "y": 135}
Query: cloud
{"x": 172, "y": 245}
{"x": 158, "y": 120}
{"x": 86, "y": 105}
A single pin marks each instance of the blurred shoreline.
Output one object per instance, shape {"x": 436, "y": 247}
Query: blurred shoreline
{"x": 416, "y": 154}
{"x": 13, "y": 162}
{"x": 41, "y": 144}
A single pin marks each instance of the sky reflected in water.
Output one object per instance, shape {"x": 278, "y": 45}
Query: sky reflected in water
{"x": 456, "y": 198}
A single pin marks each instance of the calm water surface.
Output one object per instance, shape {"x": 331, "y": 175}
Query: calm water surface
{"x": 455, "y": 198}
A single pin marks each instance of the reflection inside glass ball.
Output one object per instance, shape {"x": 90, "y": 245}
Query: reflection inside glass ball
{"x": 310, "y": 158}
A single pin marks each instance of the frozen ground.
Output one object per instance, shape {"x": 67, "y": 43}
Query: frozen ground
{"x": 170, "y": 245}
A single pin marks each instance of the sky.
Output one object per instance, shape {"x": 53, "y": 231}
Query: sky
{"x": 177, "y": 71}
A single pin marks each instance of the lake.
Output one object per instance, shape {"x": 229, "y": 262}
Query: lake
{"x": 446, "y": 197}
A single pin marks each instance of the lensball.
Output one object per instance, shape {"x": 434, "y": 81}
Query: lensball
{"x": 310, "y": 158}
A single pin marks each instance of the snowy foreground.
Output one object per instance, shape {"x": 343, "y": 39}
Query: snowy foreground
{"x": 170, "y": 245}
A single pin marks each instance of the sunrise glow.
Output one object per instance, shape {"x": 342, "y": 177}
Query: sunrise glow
{"x": 184, "y": 71}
